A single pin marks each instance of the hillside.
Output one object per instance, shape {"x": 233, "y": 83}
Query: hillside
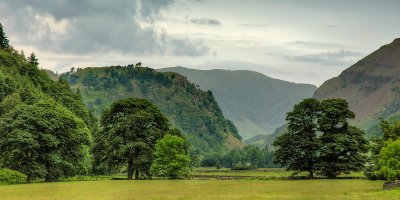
{"x": 371, "y": 86}
{"x": 257, "y": 104}
{"x": 187, "y": 107}
{"x": 22, "y": 83}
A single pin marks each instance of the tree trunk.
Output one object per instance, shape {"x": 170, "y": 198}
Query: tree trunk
{"x": 130, "y": 169}
{"x": 311, "y": 174}
{"x": 136, "y": 174}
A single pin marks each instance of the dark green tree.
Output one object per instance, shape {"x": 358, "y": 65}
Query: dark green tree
{"x": 343, "y": 145}
{"x": 298, "y": 147}
{"x": 33, "y": 60}
{"x": 44, "y": 140}
{"x": 171, "y": 158}
{"x": 3, "y": 39}
{"x": 129, "y": 131}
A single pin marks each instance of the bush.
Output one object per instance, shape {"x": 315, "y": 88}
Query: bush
{"x": 11, "y": 176}
{"x": 389, "y": 159}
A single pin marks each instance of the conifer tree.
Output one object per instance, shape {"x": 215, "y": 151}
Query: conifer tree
{"x": 3, "y": 39}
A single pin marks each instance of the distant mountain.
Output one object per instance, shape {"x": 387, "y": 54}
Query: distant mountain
{"x": 187, "y": 107}
{"x": 371, "y": 86}
{"x": 257, "y": 104}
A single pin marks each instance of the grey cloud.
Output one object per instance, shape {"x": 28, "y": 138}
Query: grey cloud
{"x": 97, "y": 25}
{"x": 205, "y": 21}
{"x": 315, "y": 44}
{"x": 327, "y": 58}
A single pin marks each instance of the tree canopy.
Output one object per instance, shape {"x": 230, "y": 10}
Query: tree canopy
{"x": 320, "y": 139}
{"x": 129, "y": 131}
{"x": 298, "y": 148}
{"x": 3, "y": 38}
{"x": 171, "y": 158}
{"x": 44, "y": 140}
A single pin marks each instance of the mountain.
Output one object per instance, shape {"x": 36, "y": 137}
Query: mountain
{"x": 188, "y": 108}
{"x": 257, "y": 104}
{"x": 371, "y": 86}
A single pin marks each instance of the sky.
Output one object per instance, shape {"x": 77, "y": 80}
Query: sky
{"x": 303, "y": 41}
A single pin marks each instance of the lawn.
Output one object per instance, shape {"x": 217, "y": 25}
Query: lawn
{"x": 200, "y": 189}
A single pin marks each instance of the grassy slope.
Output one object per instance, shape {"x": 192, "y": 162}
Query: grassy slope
{"x": 257, "y": 104}
{"x": 200, "y": 189}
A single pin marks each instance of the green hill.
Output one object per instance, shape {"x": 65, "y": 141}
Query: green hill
{"x": 21, "y": 82}
{"x": 257, "y": 104}
{"x": 187, "y": 107}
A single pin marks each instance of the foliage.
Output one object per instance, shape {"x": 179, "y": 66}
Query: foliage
{"x": 11, "y": 176}
{"x": 250, "y": 157}
{"x": 298, "y": 147}
{"x": 3, "y": 39}
{"x": 129, "y": 131}
{"x": 390, "y": 132}
{"x": 188, "y": 108}
{"x": 44, "y": 140}
{"x": 337, "y": 148}
{"x": 389, "y": 160}
{"x": 171, "y": 158}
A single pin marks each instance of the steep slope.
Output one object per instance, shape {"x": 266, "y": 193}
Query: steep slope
{"x": 371, "y": 86}
{"x": 187, "y": 107}
{"x": 22, "y": 82}
{"x": 257, "y": 104}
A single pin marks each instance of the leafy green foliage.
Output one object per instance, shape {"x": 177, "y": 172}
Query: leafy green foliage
{"x": 390, "y": 132}
{"x": 188, "y": 108}
{"x": 298, "y": 148}
{"x": 320, "y": 139}
{"x": 3, "y": 38}
{"x": 44, "y": 140}
{"x": 389, "y": 160}
{"x": 250, "y": 157}
{"x": 44, "y": 127}
{"x": 171, "y": 158}
{"x": 11, "y": 176}
{"x": 129, "y": 131}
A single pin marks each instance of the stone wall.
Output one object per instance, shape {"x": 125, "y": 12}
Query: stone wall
{"x": 391, "y": 185}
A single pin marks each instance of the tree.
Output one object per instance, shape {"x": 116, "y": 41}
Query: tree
{"x": 3, "y": 39}
{"x": 389, "y": 160}
{"x": 298, "y": 147}
{"x": 33, "y": 60}
{"x": 44, "y": 140}
{"x": 129, "y": 131}
{"x": 171, "y": 158}
{"x": 343, "y": 145}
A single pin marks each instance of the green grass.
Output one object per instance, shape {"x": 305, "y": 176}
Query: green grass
{"x": 261, "y": 172}
{"x": 200, "y": 189}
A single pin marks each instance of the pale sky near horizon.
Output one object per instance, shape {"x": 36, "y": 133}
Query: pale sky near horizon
{"x": 304, "y": 41}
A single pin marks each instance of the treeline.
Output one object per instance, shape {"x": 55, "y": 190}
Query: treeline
{"x": 250, "y": 157}
{"x": 45, "y": 129}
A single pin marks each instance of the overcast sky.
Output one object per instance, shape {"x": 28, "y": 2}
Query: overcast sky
{"x": 306, "y": 41}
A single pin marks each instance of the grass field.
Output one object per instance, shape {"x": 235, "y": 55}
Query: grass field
{"x": 200, "y": 189}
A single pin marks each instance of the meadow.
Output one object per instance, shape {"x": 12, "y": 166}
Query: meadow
{"x": 278, "y": 186}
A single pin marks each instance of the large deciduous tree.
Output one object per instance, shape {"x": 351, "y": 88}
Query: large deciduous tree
{"x": 129, "y": 131}
{"x": 342, "y": 145}
{"x": 44, "y": 140}
{"x": 298, "y": 147}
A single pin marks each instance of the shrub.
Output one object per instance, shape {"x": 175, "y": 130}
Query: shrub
{"x": 11, "y": 176}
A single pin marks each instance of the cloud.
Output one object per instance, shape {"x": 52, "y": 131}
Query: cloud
{"x": 205, "y": 21}
{"x": 340, "y": 57}
{"x": 84, "y": 27}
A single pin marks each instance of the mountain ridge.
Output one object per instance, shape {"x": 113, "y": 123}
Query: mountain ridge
{"x": 256, "y": 103}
